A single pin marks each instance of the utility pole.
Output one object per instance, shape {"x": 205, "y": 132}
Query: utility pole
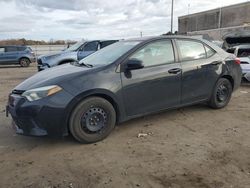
{"x": 172, "y": 16}
{"x": 220, "y": 19}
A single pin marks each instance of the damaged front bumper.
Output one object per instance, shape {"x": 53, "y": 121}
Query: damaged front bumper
{"x": 44, "y": 117}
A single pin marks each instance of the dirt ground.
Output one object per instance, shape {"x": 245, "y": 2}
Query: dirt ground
{"x": 186, "y": 148}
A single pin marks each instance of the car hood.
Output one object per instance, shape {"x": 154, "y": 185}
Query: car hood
{"x": 55, "y": 54}
{"x": 237, "y": 38}
{"x": 52, "y": 76}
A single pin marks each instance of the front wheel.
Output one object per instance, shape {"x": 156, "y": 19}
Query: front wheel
{"x": 221, "y": 94}
{"x": 92, "y": 120}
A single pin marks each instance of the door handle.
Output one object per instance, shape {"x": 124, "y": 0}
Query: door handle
{"x": 174, "y": 71}
{"x": 216, "y": 63}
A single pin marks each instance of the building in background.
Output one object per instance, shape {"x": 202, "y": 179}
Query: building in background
{"x": 217, "y": 22}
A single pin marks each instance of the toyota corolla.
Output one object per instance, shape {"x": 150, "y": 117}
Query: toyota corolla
{"x": 128, "y": 79}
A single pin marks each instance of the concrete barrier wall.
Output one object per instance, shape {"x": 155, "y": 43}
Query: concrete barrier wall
{"x": 47, "y": 49}
{"x": 231, "y": 16}
{"x": 217, "y": 34}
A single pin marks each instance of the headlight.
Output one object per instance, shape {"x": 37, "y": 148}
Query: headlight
{"x": 41, "y": 92}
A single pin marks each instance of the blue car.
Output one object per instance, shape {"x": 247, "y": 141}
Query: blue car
{"x": 74, "y": 53}
{"x": 20, "y": 55}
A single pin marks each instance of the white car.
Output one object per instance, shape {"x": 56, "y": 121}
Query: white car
{"x": 238, "y": 43}
{"x": 243, "y": 53}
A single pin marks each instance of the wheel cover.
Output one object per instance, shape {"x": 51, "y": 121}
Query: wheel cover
{"x": 94, "y": 120}
{"x": 24, "y": 62}
{"x": 222, "y": 93}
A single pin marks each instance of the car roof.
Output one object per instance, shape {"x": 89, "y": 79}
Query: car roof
{"x": 152, "y": 38}
{"x": 163, "y": 37}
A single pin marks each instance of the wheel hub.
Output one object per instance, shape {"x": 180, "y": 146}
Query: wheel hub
{"x": 94, "y": 120}
{"x": 222, "y": 93}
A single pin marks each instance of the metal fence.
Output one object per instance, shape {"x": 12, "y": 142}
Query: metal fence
{"x": 47, "y": 49}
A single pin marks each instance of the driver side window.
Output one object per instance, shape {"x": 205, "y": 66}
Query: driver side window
{"x": 155, "y": 53}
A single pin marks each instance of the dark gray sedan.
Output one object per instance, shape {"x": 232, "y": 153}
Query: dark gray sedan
{"x": 128, "y": 79}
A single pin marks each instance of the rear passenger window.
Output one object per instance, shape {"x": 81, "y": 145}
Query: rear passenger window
{"x": 210, "y": 51}
{"x": 11, "y": 49}
{"x": 244, "y": 52}
{"x": 191, "y": 50}
{"x": 22, "y": 48}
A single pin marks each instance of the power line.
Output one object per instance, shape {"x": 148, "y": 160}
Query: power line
{"x": 172, "y": 16}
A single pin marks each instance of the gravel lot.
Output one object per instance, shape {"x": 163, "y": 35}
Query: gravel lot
{"x": 189, "y": 147}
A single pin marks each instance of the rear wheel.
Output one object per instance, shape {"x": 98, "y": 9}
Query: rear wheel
{"x": 222, "y": 94}
{"x": 24, "y": 62}
{"x": 92, "y": 120}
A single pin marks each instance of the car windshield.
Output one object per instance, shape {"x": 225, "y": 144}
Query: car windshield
{"x": 109, "y": 54}
{"x": 75, "y": 46}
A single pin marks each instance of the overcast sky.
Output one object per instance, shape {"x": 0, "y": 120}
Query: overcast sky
{"x": 94, "y": 19}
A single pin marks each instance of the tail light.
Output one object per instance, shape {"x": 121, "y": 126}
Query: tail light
{"x": 237, "y": 61}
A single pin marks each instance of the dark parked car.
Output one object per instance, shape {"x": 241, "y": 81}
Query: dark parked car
{"x": 76, "y": 52}
{"x": 128, "y": 79}
{"x": 21, "y": 55}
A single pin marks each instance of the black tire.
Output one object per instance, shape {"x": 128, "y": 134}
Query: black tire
{"x": 221, "y": 94}
{"x": 24, "y": 62}
{"x": 92, "y": 120}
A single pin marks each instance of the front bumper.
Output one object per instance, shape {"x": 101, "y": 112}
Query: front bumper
{"x": 33, "y": 59}
{"x": 44, "y": 117}
{"x": 41, "y": 66}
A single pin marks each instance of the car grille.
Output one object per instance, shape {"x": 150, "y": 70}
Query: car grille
{"x": 18, "y": 92}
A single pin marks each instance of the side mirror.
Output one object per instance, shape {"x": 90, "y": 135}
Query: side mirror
{"x": 133, "y": 64}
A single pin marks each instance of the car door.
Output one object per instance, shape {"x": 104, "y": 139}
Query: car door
{"x": 2, "y": 51}
{"x": 11, "y": 54}
{"x": 157, "y": 85}
{"x": 196, "y": 84}
{"x": 87, "y": 49}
